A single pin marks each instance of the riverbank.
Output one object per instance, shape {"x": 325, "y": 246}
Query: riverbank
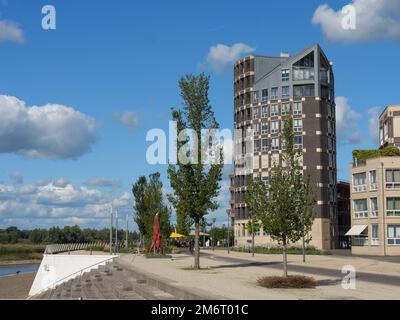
{"x": 16, "y": 287}
{"x": 17, "y": 262}
{"x": 11, "y": 254}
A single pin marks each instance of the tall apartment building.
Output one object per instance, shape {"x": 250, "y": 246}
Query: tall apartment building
{"x": 265, "y": 90}
{"x": 375, "y": 195}
{"x": 389, "y": 127}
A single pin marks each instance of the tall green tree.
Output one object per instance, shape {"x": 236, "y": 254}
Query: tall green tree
{"x": 149, "y": 198}
{"x": 154, "y": 201}
{"x": 285, "y": 205}
{"x": 139, "y": 207}
{"x": 195, "y": 183}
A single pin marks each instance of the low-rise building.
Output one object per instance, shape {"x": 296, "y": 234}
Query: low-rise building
{"x": 389, "y": 127}
{"x": 375, "y": 206}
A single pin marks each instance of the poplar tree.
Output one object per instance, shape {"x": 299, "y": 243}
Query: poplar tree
{"x": 195, "y": 183}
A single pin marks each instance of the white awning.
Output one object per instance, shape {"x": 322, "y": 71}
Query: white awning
{"x": 356, "y": 230}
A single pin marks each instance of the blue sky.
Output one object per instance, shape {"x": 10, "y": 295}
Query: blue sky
{"x": 117, "y": 63}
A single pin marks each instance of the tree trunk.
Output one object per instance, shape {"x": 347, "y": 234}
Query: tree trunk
{"x": 196, "y": 246}
{"x": 304, "y": 249}
{"x": 285, "y": 272}
{"x": 252, "y": 245}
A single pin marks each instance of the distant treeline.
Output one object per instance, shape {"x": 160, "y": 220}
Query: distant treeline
{"x": 66, "y": 234}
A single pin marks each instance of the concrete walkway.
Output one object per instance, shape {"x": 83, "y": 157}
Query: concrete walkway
{"x": 234, "y": 276}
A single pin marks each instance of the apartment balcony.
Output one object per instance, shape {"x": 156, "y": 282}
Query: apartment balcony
{"x": 303, "y": 73}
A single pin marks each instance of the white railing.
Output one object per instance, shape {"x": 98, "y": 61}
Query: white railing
{"x": 374, "y": 241}
{"x": 360, "y": 214}
{"x": 360, "y": 187}
{"x": 393, "y": 185}
{"x": 373, "y": 187}
{"x": 67, "y": 247}
{"x": 393, "y": 213}
{"x": 374, "y": 213}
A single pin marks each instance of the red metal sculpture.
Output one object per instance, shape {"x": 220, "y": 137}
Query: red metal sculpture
{"x": 156, "y": 245}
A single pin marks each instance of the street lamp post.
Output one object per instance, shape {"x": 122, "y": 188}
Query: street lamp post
{"x": 213, "y": 232}
{"x": 111, "y": 228}
{"x": 116, "y": 231}
{"x": 229, "y": 230}
{"x": 126, "y": 232}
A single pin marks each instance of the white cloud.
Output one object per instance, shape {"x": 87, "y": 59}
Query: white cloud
{"x": 346, "y": 122}
{"x": 220, "y": 56}
{"x": 373, "y": 123}
{"x": 345, "y": 116}
{"x": 129, "y": 119}
{"x": 10, "y": 31}
{"x": 374, "y": 19}
{"x": 51, "y": 131}
{"x": 17, "y": 177}
{"x": 355, "y": 138}
{"x": 102, "y": 182}
{"x": 31, "y": 206}
{"x": 62, "y": 183}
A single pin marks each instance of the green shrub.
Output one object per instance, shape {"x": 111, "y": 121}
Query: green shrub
{"x": 362, "y": 155}
{"x": 278, "y": 250}
{"x": 289, "y": 282}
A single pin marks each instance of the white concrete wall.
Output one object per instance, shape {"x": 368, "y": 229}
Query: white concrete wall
{"x": 59, "y": 268}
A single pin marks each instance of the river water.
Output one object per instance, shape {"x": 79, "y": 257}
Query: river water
{"x": 22, "y": 268}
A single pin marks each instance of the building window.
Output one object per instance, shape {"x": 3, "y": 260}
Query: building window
{"x": 393, "y": 232}
{"x": 274, "y": 126}
{"x": 360, "y": 208}
{"x": 359, "y": 182}
{"x": 256, "y": 113}
{"x": 303, "y": 73}
{"x": 264, "y": 95}
{"x": 297, "y": 125}
{"x": 298, "y": 142}
{"x": 306, "y": 90}
{"x": 374, "y": 235}
{"x": 256, "y": 128}
{"x": 274, "y": 93}
{"x": 285, "y": 92}
{"x": 264, "y": 112}
{"x": 285, "y": 109}
{"x": 274, "y": 110}
{"x": 264, "y": 128}
{"x": 392, "y": 207}
{"x": 256, "y": 145}
{"x": 385, "y": 131}
{"x": 285, "y": 75}
{"x": 275, "y": 144}
{"x": 264, "y": 145}
{"x": 392, "y": 178}
{"x": 372, "y": 181}
{"x": 256, "y": 97}
{"x": 374, "y": 207}
{"x": 297, "y": 108}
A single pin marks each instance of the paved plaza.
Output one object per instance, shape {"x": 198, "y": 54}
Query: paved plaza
{"x": 234, "y": 275}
